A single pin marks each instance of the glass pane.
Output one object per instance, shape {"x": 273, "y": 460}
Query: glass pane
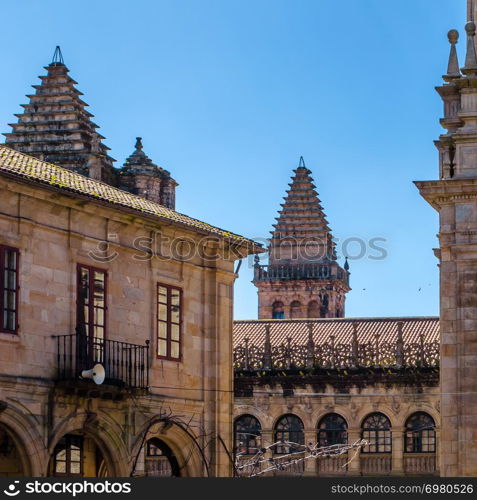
{"x": 162, "y": 347}
{"x": 99, "y": 316}
{"x": 61, "y": 455}
{"x": 163, "y": 312}
{"x": 11, "y": 259}
{"x": 174, "y": 349}
{"x": 60, "y": 467}
{"x": 99, "y": 332}
{"x": 175, "y": 314}
{"x": 162, "y": 332}
{"x": 162, "y": 294}
{"x": 75, "y": 467}
{"x": 175, "y": 330}
{"x": 9, "y": 321}
{"x": 175, "y": 297}
{"x": 75, "y": 454}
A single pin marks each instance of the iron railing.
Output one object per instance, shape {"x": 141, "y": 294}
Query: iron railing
{"x": 125, "y": 364}
{"x": 299, "y": 271}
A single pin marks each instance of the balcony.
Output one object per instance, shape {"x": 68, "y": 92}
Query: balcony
{"x": 416, "y": 464}
{"x": 330, "y": 271}
{"x": 126, "y": 365}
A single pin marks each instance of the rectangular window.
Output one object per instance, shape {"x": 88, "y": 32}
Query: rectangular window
{"x": 91, "y": 313}
{"x": 169, "y": 321}
{"x": 9, "y": 289}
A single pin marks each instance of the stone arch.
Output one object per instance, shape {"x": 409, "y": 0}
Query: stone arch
{"x": 101, "y": 430}
{"x": 278, "y": 310}
{"x": 23, "y": 430}
{"x": 179, "y": 439}
{"x": 313, "y": 309}
{"x": 295, "y": 309}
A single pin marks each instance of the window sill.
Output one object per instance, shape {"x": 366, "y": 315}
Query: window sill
{"x": 9, "y": 337}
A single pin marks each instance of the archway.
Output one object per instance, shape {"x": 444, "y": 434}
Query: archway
{"x": 11, "y": 455}
{"x": 160, "y": 460}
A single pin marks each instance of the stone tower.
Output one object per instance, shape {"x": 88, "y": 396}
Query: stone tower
{"x": 454, "y": 196}
{"x": 302, "y": 278}
{"x": 55, "y": 126}
{"x": 141, "y": 176}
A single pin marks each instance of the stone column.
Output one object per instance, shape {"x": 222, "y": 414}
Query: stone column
{"x": 310, "y": 464}
{"x": 354, "y": 467}
{"x": 397, "y": 463}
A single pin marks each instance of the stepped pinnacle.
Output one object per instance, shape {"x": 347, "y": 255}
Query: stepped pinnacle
{"x": 57, "y": 57}
{"x": 302, "y": 163}
{"x": 453, "y": 70}
{"x": 138, "y": 145}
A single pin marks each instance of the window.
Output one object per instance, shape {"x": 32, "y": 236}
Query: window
{"x": 295, "y": 309}
{"x": 332, "y": 429}
{"x": 160, "y": 460}
{"x": 9, "y": 289}
{"x": 169, "y": 321}
{"x": 313, "y": 309}
{"x": 68, "y": 456}
{"x": 289, "y": 428}
{"x": 377, "y": 432}
{"x": 91, "y": 315}
{"x": 278, "y": 310}
{"x": 248, "y": 431}
{"x": 420, "y": 434}
{"x": 91, "y": 302}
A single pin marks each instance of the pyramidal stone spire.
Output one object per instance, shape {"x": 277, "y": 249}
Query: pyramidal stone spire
{"x": 141, "y": 176}
{"x": 56, "y": 127}
{"x": 301, "y": 233}
{"x": 302, "y": 278}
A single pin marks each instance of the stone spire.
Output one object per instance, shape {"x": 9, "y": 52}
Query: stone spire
{"x": 141, "y": 176}
{"x": 302, "y": 278}
{"x": 56, "y": 127}
{"x": 301, "y": 233}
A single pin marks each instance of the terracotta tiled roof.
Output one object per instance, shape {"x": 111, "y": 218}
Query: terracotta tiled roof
{"x": 341, "y": 328}
{"x": 23, "y": 166}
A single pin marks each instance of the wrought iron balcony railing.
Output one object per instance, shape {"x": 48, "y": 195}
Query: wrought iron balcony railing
{"x": 125, "y": 364}
{"x": 299, "y": 271}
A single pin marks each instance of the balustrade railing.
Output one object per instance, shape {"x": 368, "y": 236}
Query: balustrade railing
{"x": 299, "y": 271}
{"x": 124, "y": 363}
{"x": 332, "y": 355}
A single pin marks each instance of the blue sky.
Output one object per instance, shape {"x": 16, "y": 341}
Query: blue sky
{"x": 228, "y": 94}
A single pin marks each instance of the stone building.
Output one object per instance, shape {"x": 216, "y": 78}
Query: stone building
{"x": 56, "y": 127}
{"x": 96, "y": 275}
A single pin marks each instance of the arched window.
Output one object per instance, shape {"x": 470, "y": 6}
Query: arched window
{"x": 420, "y": 435}
{"x": 247, "y": 431}
{"x": 313, "y": 309}
{"x": 68, "y": 456}
{"x": 278, "y": 310}
{"x": 295, "y": 309}
{"x": 377, "y": 432}
{"x": 324, "y": 306}
{"x": 289, "y": 428}
{"x": 332, "y": 429}
{"x": 160, "y": 460}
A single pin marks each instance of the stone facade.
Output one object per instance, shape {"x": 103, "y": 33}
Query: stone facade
{"x": 454, "y": 196}
{"x": 302, "y": 278}
{"x": 184, "y": 403}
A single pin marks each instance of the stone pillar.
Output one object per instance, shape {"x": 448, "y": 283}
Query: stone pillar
{"x": 311, "y": 466}
{"x": 397, "y": 463}
{"x": 354, "y": 467}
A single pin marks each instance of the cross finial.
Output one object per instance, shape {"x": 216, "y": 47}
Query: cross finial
{"x": 57, "y": 57}
{"x": 138, "y": 145}
{"x": 302, "y": 162}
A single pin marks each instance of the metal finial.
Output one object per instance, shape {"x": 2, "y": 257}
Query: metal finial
{"x": 302, "y": 162}
{"x": 346, "y": 265}
{"x": 57, "y": 57}
{"x": 138, "y": 143}
{"x": 453, "y": 70}
{"x": 471, "y": 57}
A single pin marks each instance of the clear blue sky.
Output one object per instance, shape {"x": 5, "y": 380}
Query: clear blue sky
{"x": 228, "y": 94}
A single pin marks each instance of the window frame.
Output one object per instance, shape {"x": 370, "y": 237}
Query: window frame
{"x": 416, "y": 436}
{"x": 257, "y": 437}
{"x": 68, "y": 440}
{"x": 92, "y": 270}
{"x": 377, "y": 444}
{"x": 324, "y": 432}
{"x": 290, "y": 432}
{"x": 17, "y": 289}
{"x": 169, "y": 322}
